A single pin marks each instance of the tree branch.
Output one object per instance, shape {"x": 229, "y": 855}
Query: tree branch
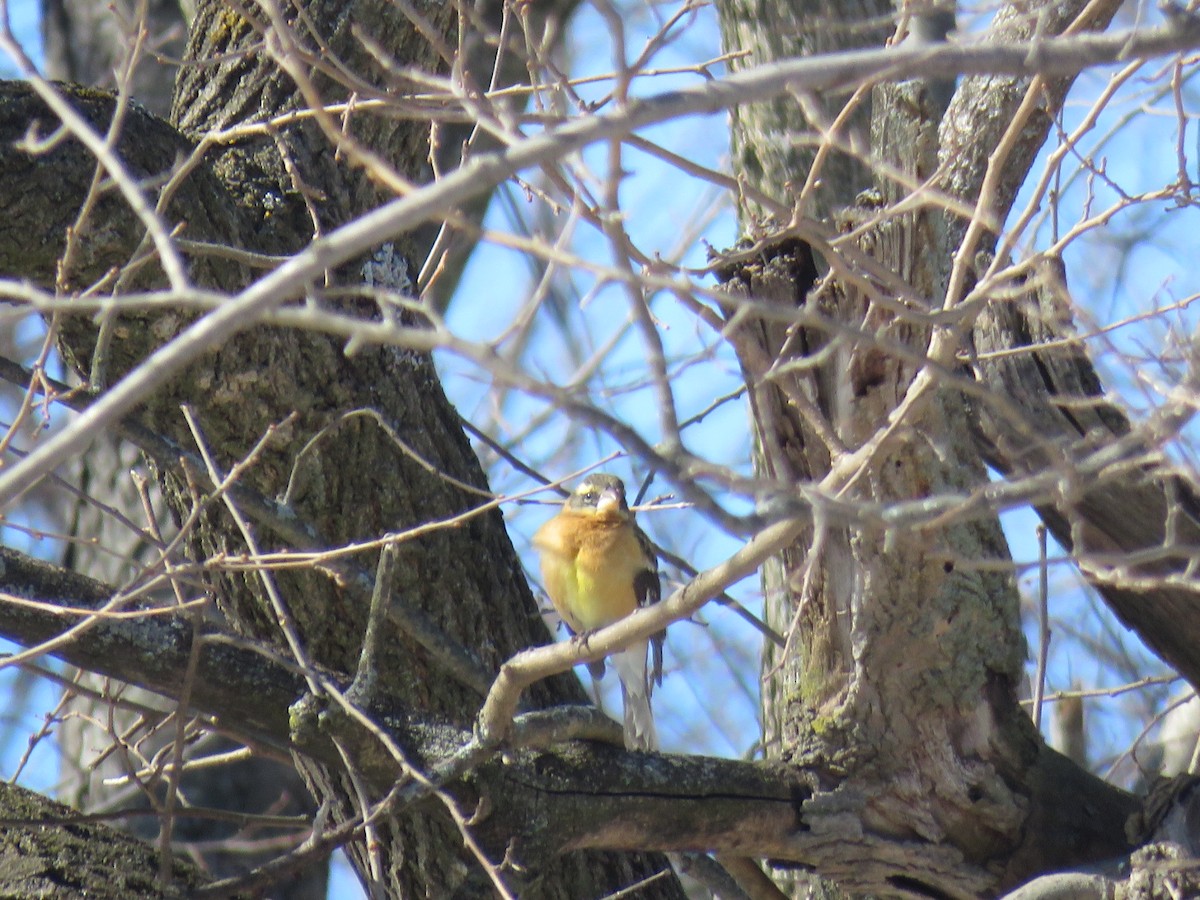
{"x": 536, "y": 795}
{"x": 483, "y": 173}
{"x": 1135, "y": 526}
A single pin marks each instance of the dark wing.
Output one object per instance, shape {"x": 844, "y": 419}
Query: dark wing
{"x": 648, "y": 589}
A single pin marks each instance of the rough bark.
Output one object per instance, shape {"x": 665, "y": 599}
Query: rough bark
{"x": 544, "y": 801}
{"x": 110, "y": 552}
{"x": 100, "y": 45}
{"x": 356, "y": 480}
{"x": 911, "y": 724}
{"x": 45, "y": 851}
{"x": 1133, "y": 525}
{"x": 908, "y": 767}
{"x": 95, "y": 45}
{"x": 1130, "y": 517}
{"x": 774, "y": 144}
{"x": 899, "y": 683}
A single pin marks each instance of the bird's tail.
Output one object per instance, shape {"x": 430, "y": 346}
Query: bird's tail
{"x": 635, "y": 695}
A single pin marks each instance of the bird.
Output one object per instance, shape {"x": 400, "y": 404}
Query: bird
{"x": 598, "y": 566}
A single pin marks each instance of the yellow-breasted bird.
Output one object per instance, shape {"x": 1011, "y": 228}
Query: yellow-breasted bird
{"x": 598, "y": 567}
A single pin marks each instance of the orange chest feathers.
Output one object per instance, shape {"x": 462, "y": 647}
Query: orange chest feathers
{"x": 589, "y": 564}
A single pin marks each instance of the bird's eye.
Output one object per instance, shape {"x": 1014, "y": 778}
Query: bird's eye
{"x": 590, "y": 495}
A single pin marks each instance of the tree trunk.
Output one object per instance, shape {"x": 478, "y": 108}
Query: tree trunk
{"x": 899, "y": 682}
{"x": 775, "y": 144}
{"x": 91, "y": 44}
{"x": 82, "y": 860}
{"x": 364, "y": 444}
{"x": 902, "y": 764}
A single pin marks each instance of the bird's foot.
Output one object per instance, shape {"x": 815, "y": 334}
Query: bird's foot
{"x": 580, "y": 639}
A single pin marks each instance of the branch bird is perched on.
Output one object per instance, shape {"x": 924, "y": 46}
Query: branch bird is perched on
{"x": 598, "y": 567}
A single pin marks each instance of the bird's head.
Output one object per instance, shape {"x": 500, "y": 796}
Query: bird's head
{"x": 599, "y": 494}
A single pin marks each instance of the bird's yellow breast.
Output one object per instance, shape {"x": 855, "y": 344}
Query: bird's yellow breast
{"x": 589, "y": 562}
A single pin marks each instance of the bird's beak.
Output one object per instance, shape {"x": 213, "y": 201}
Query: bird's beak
{"x": 610, "y": 501}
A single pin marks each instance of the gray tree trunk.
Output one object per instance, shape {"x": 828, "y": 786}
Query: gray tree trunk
{"x": 355, "y": 481}
{"x": 902, "y": 764}
{"x": 91, "y": 44}
{"x": 899, "y": 682}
